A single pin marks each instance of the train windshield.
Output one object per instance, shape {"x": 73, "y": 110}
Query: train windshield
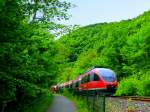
{"x": 107, "y": 74}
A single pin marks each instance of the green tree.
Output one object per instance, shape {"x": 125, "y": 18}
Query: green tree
{"x": 27, "y": 50}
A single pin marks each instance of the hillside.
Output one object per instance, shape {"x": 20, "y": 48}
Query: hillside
{"x": 122, "y": 46}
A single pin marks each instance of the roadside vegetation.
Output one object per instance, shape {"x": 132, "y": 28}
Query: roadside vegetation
{"x": 80, "y": 104}
{"x": 135, "y": 85}
{"x": 40, "y": 104}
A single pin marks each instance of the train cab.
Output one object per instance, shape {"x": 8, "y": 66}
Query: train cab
{"x": 101, "y": 79}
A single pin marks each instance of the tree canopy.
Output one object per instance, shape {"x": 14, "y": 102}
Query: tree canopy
{"x": 27, "y": 50}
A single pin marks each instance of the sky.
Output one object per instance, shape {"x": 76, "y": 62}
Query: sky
{"x": 98, "y": 11}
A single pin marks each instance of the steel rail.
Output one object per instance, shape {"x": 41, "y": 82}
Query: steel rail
{"x": 137, "y": 98}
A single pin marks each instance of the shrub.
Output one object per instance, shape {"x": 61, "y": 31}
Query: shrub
{"x": 137, "y": 84}
{"x": 144, "y": 85}
{"x": 128, "y": 86}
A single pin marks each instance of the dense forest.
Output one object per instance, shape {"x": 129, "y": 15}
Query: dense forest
{"x": 122, "y": 46}
{"x": 31, "y": 59}
{"x": 27, "y": 51}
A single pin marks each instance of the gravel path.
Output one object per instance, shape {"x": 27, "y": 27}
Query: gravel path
{"x": 61, "y": 104}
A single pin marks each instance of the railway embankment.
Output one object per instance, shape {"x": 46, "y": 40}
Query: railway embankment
{"x": 122, "y": 104}
{"x": 98, "y": 103}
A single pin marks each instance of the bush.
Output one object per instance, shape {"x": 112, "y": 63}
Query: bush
{"x": 80, "y": 104}
{"x": 137, "y": 84}
{"x": 40, "y": 104}
{"x": 128, "y": 86}
{"x": 144, "y": 85}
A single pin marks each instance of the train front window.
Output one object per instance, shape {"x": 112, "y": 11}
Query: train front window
{"x": 109, "y": 79}
{"x": 107, "y": 74}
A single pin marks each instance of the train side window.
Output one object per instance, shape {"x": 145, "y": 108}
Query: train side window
{"x": 85, "y": 79}
{"x": 88, "y": 78}
{"x": 96, "y": 77}
{"x": 77, "y": 84}
{"x": 82, "y": 81}
{"x": 92, "y": 77}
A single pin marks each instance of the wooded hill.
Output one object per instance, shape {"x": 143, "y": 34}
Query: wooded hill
{"x": 122, "y": 46}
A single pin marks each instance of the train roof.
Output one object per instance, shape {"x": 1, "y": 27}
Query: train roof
{"x": 102, "y": 71}
{"x": 105, "y": 71}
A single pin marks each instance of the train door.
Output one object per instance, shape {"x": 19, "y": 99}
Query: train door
{"x": 85, "y": 82}
{"x": 95, "y": 82}
{"x": 77, "y": 85}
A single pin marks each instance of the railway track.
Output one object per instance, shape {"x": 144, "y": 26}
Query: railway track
{"x": 136, "y": 98}
{"x": 116, "y": 103}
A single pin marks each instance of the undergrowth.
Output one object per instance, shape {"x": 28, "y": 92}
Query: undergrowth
{"x": 41, "y": 104}
{"x": 135, "y": 85}
{"x": 81, "y": 106}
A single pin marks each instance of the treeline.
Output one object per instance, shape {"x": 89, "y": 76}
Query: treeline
{"x": 27, "y": 51}
{"x": 122, "y": 46}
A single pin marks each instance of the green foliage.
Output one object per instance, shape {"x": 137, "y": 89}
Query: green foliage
{"x": 122, "y": 46}
{"x": 80, "y": 104}
{"x": 40, "y": 104}
{"x": 137, "y": 84}
{"x": 28, "y": 66}
{"x": 128, "y": 86}
{"x": 144, "y": 84}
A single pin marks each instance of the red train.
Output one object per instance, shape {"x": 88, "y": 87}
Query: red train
{"x": 99, "y": 79}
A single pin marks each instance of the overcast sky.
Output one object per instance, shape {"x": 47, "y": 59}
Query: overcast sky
{"x": 97, "y": 11}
